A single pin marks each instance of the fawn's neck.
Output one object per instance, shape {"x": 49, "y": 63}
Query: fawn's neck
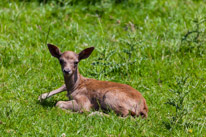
{"x": 73, "y": 81}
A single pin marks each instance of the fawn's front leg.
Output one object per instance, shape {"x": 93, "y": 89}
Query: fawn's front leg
{"x": 72, "y": 105}
{"x": 80, "y": 103}
{"x": 49, "y": 94}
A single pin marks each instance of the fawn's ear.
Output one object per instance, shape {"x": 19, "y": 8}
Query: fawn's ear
{"x": 54, "y": 50}
{"x": 85, "y": 53}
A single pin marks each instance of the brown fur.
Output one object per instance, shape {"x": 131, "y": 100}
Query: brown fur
{"x": 90, "y": 94}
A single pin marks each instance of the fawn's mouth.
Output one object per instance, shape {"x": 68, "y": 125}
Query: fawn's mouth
{"x": 67, "y": 72}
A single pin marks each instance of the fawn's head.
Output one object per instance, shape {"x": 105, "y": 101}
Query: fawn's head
{"x": 68, "y": 59}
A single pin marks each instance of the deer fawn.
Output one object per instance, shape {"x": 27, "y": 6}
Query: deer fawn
{"x": 89, "y": 93}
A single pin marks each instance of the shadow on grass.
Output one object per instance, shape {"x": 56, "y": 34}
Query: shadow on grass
{"x": 48, "y": 103}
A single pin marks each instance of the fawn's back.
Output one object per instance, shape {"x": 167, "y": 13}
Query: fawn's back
{"x": 121, "y": 98}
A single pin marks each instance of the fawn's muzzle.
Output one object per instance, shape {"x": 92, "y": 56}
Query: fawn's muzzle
{"x": 66, "y": 71}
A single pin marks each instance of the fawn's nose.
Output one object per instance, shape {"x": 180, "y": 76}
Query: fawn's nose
{"x": 66, "y": 71}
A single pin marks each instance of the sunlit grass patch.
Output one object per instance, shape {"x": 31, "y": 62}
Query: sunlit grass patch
{"x": 157, "y": 47}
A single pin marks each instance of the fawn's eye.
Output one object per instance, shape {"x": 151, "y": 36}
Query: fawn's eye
{"x": 76, "y": 62}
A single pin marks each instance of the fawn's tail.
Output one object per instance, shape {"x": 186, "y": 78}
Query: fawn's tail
{"x": 144, "y": 111}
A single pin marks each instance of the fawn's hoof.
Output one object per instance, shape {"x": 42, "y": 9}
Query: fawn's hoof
{"x": 43, "y": 96}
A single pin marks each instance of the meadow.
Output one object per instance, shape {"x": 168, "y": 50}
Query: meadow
{"x": 156, "y": 46}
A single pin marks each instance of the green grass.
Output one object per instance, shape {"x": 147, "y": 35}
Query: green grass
{"x": 140, "y": 43}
